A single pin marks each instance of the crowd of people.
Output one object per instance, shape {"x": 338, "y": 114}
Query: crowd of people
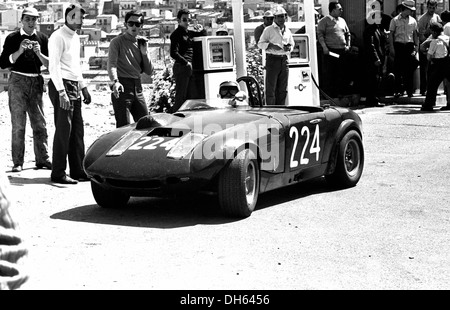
{"x": 393, "y": 49}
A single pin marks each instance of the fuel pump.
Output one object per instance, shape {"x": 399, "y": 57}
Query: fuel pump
{"x": 213, "y": 63}
{"x": 300, "y": 87}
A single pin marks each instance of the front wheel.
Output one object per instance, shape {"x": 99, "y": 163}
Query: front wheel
{"x": 350, "y": 161}
{"x": 107, "y": 198}
{"x": 239, "y": 185}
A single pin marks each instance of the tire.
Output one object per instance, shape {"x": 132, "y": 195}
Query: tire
{"x": 350, "y": 161}
{"x": 239, "y": 185}
{"x": 108, "y": 198}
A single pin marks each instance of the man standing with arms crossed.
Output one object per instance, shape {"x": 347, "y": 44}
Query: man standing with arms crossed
{"x": 24, "y": 52}
{"x": 65, "y": 85}
{"x": 127, "y": 59}
{"x": 278, "y": 42}
{"x": 268, "y": 20}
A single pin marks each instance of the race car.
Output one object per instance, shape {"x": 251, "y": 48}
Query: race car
{"x": 235, "y": 148}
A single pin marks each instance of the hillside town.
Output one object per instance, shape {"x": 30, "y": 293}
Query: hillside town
{"x": 105, "y": 20}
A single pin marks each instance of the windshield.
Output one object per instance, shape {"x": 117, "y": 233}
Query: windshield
{"x": 216, "y": 103}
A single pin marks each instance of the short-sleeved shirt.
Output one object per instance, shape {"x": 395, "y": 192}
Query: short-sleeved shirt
{"x": 438, "y": 47}
{"x": 423, "y": 25}
{"x": 403, "y": 28}
{"x": 333, "y": 32}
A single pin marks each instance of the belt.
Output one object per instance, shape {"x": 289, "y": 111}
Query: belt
{"x": 277, "y": 56}
{"x": 27, "y": 74}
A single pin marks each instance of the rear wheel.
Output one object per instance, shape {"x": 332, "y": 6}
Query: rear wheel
{"x": 350, "y": 161}
{"x": 108, "y": 198}
{"x": 239, "y": 185}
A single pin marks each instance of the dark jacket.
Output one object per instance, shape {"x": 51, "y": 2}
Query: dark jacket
{"x": 28, "y": 62}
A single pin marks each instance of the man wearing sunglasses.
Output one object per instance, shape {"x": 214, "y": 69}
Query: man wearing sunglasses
{"x": 181, "y": 50}
{"x": 127, "y": 60}
{"x": 278, "y": 42}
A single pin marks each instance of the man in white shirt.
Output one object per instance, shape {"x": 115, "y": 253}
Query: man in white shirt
{"x": 278, "y": 42}
{"x": 65, "y": 85}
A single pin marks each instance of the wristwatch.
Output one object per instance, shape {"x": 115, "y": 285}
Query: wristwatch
{"x": 61, "y": 92}
{"x": 116, "y": 80}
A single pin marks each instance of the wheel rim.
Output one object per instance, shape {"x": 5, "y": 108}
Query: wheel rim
{"x": 250, "y": 183}
{"x": 352, "y": 158}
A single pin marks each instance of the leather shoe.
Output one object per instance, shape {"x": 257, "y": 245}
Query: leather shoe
{"x": 47, "y": 164}
{"x": 17, "y": 168}
{"x": 81, "y": 178}
{"x": 64, "y": 180}
{"x": 445, "y": 108}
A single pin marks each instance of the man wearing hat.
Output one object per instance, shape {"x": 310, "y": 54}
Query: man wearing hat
{"x": 268, "y": 20}
{"x": 403, "y": 48}
{"x": 65, "y": 88}
{"x": 278, "y": 42}
{"x": 24, "y": 52}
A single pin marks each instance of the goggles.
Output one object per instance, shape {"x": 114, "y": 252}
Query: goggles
{"x": 228, "y": 91}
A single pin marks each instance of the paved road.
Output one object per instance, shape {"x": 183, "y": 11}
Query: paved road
{"x": 391, "y": 231}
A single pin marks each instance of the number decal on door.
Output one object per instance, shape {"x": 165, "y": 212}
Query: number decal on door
{"x": 314, "y": 145}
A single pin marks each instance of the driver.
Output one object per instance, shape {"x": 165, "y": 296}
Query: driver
{"x": 228, "y": 89}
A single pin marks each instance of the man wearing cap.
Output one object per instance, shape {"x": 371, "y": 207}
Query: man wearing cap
{"x": 24, "y": 52}
{"x": 268, "y": 20}
{"x": 127, "y": 59}
{"x": 403, "y": 48}
{"x": 278, "y": 42}
{"x": 65, "y": 88}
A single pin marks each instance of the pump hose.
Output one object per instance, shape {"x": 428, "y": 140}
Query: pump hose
{"x": 334, "y": 103}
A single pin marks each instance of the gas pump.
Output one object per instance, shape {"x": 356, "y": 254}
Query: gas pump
{"x": 300, "y": 87}
{"x": 213, "y": 63}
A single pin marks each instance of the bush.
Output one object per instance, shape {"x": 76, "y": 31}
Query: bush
{"x": 163, "y": 87}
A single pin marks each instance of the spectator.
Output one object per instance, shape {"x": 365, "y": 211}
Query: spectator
{"x": 12, "y": 250}
{"x": 127, "y": 60}
{"x": 334, "y": 38}
{"x": 375, "y": 52}
{"x": 423, "y": 28}
{"x": 24, "y": 52}
{"x": 268, "y": 20}
{"x": 222, "y": 31}
{"x": 445, "y": 16}
{"x": 439, "y": 63}
{"x": 404, "y": 45}
{"x": 181, "y": 50}
{"x": 66, "y": 83}
{"x": 278, "y": 42}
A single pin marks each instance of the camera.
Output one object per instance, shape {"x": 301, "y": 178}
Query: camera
{"x": 142, "y": 40}
{"x": 30, "y": 44}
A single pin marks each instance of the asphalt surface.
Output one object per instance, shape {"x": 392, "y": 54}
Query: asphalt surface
{"x": 391, "y": 231}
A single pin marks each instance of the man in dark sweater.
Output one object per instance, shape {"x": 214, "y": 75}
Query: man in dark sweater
{"x": 181, "y": 50}
{"x": 24, "y": 52}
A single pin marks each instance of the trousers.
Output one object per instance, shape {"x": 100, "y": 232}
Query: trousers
{"x": 277, "y": 75}
{"x": 68, "y": 141}
{"x": 25, "y": 97}
{"x": 131, "y": 100}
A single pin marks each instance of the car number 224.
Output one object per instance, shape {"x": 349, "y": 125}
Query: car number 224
{"x": 311, "y": 141}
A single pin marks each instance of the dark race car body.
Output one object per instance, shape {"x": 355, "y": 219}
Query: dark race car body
{"x": 237, "y": 151}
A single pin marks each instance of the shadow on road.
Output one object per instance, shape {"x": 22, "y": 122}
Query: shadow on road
{"x": 170, "y": 213}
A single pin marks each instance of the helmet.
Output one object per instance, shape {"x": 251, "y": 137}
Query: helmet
{"x": 228, "y": 89}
